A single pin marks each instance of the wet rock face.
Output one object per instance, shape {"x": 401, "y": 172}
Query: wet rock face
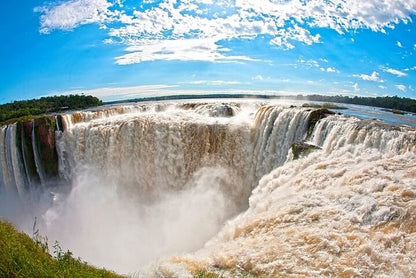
{"x": 45, "y": 145}
{"x": 24, "y": 135}
{"x": 223, "y": 111}
{"x": 300, "y": 148}
{"x": 212, "y": 110}
{"x": 315, "y": 116}
{"x": 59, "y": 123}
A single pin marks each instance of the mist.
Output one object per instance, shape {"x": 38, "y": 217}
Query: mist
{"x": 162, "y": 191}
{"x": 135, "y": 187}
{"x": 103, "y": 225}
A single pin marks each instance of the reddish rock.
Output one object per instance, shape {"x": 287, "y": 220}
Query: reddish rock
{"x": 45, "y": 144}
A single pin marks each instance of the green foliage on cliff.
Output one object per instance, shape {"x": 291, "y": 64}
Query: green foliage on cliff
{"x": 25, "y": 109}
{"x": 20, "y": 256}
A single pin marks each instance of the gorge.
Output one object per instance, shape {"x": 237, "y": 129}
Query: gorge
{"x": 235, "y": 188}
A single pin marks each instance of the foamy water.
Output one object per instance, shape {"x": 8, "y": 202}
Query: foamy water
{"x": 173, "y": 189}
{"x": 349, "y": 213}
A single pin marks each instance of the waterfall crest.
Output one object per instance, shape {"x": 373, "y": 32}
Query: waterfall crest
{"x": 142, "y": 165}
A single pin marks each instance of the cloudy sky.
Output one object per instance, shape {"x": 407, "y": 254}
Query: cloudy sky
{"x": 118, "y": 49}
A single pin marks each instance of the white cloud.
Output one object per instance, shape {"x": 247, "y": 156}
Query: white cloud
{"x": 382, "y": 87}
{"x": 356, "y": 87}
{"x": 70, "y": 14}
{"x": 339, "y": 15}
{"x": 258, "y": 77}
{"x": 394, "y": 72}
{"x": 310, "y": 63}
{"x": 331, "y": 69}
{"x": 285, "y": 37}
{"x": 181, "y": 49}
{"x": 373, "y": 77}
{"x": 169, "y": 22}
{"x": 402, "y": 88}
{"x": 399, "y": 44}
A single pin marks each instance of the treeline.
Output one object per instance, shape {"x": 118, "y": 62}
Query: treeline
{"x": 27, "y": 108}
{"x": 395, "y": 102}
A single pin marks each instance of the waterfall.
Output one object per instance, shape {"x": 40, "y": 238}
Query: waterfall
{"x": 8, "y": 182}
{"x": 337, "y": 131}
{"x": 165, "y": 144}
{"x": 36, "y": 156}
{"x": 13, "y": 161}
{"x": 276, "y": 129}
{"x": 165, "y": 148}
{"x": 156, "y": 168}
{"x": 156, "y": 151}
{"x": 346, "y": 209}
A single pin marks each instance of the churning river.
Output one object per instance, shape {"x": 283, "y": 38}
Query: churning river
{"x": 234, "y": 187}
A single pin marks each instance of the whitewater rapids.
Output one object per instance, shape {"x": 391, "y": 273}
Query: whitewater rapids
{"x": 172, "y": 190}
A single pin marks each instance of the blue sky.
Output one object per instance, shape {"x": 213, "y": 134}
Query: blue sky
{"x": 117, "y": 49}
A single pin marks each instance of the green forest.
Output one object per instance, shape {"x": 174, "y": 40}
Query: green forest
{"x": 17, "y": 110}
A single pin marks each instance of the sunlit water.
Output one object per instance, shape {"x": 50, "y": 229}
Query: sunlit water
{"x": 170, "y": 189}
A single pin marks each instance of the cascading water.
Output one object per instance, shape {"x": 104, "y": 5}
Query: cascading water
{"x": 154, "y": 148}
{"x": 346, "y": 210}
{"x": 137, "y": 183}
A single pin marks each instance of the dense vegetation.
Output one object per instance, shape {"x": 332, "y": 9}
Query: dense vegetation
{"x": 14, "y": 111}
{"x": 20, "y": 256}
{"x": 394, "y": 103}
